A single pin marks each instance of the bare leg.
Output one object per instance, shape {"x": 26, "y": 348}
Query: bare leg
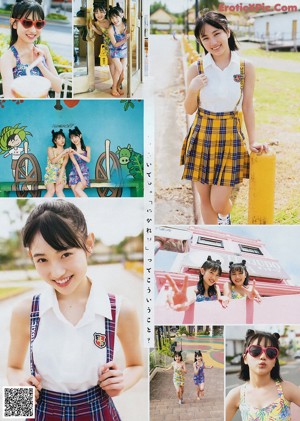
{"x": 121, "y": 78}
{"x": 50, "y": 190}
{"x": 118, "y": 70}
{"x": 79, "y": 190}
{"x": 208, "y": 213}
{"x": 220, "y": 199}
{"x": 73, "y": 187}
{"x": 59, "y": 190}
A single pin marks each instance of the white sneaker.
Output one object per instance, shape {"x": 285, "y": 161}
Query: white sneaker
{"x": 179, "y": 401}
{"x": 224, "y": 220}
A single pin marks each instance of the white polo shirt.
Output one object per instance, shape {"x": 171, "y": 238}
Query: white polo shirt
{"x": 66, "y": 356}
{"x": 222, "y": 92}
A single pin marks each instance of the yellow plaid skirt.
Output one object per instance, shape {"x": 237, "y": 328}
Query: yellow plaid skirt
{"x": 214, "y": 152}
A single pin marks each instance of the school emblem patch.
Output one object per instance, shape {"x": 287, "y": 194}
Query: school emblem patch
{"x": 100, "y": 340}
{"x": 237, "y": 78}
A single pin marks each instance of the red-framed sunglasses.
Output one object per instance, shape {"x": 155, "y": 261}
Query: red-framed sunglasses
{"x": 256, "y": 350}
{"x": 27, "y": 23}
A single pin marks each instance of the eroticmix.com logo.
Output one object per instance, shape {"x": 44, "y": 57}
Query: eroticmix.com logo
{"x": 256, "y": 7}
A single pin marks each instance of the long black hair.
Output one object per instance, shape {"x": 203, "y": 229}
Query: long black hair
{"x": 22, "y": 9}
{"x": 77, "y": 132}
{"x": 239, "y": 268}
{"x": 214, "y": 265}
{"x": 55, "y": 136}
{"x": 61, "y": 224}
{"x": 267, "y": 339}
{"x": 217, "y": 20}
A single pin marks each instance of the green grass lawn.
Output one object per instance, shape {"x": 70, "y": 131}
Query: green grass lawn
{"x": 280, "y": 55}
{"x": 11, "y": 292}
{"x": 276, "y": 99}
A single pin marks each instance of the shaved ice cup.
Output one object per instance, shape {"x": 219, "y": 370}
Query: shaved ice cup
{"x": 31, "y": 87}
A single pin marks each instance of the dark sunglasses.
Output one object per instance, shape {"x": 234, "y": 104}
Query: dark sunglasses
{"x": 256, "y": 350}
{"x": 27, "y": 23}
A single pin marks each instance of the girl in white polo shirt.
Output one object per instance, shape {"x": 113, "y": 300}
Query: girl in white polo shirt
{"x": 71, "y": 327}
{"x": 220, "y": 89}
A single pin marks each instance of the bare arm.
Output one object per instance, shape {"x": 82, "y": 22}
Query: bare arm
{"x": 54, "y": 159}
{"x": 86, "y": 158}
{"x": 113, "y": 380}
{"x": 248, "y": 109}
{"x": 7, "y": 63}
{"x": 291, "y": 392}
{"x": 227, "y": 291}
{"x": 113, "y": 39}
{"x": 49, "y": 72}
{"x": 195, "y": 83}
{"x": 232, "y": 403}
{"x": 222, "y": 299}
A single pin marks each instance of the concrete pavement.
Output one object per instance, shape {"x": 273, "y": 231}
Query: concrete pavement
{"x": 163, "y": 399}
{"x": 164, "y": 403}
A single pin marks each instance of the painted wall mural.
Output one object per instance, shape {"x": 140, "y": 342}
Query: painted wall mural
{"x": 112, "y": 129}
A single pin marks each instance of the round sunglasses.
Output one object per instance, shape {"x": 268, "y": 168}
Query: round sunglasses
{"x": 256, "y": 350}
{"x": 28, "y": 23}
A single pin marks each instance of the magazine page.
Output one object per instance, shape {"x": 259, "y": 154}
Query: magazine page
{"x": 126, "y": 128}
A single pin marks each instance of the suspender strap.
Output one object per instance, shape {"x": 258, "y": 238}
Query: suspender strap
{"x": 110, "y": 328}
{"x": 242, "y": 83}
{"x": 34, "y": 325}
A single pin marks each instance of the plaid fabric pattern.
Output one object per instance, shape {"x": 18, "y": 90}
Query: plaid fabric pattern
{"x": 91, "y": 405}
{"x": 214, "y": 152}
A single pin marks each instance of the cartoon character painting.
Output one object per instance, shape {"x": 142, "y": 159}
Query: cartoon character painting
{"x": 11, "y": 139}
{"x": 131, "y": 162}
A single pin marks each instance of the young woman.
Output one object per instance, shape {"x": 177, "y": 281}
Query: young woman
{"x": 27, "y": 22}
{"x": 264, "y": 396}
{"x": 220, "y": 89}
{"x": 72, "y": 325}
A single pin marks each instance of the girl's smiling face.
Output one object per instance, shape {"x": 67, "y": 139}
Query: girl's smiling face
{"x": 198, "y": 359}
{"x": 64, "y": 270}
{"x": 116, "y": 20}
{"x": 210, "y": 276}
{"x": 214, "y": 40}
{"x": 99, "y": 15}
{"x": 238, "y": 277}
{"x": 27, "y": 35}
{"x": 76, "y": 139}
{"x": 177, "y": 358}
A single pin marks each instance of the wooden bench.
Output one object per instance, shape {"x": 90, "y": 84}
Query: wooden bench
{"x": 105, "y": 188}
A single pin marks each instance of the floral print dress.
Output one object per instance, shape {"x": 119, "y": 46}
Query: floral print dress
{"x": 279, "y": 410}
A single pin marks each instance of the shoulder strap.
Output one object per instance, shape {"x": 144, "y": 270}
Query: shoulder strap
{"x": 16, "y": 54}
{"x": 200, "y": 67}
{"x": 110, "y": 328}
{"x": 34, "y": 325}
{"x": 242, "y": 83}
{"x": 279, "y": 389}
{"x": 243, "y": 393}
{"x": 242, "y": 72}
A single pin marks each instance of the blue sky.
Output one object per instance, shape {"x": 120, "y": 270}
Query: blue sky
{"x": 282, "y": 241}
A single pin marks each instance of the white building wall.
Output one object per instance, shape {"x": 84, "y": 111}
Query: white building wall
{"x": 280, "y": 24}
